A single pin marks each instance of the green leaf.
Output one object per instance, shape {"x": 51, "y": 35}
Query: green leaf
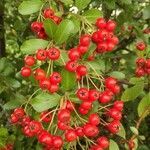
{"x": 13, "y": 83}
{"x": 144, "y": 105}
{"x": 146, "y": 13}
{"x": 68, "y": 80}
{"x": 81, "y": 4}
{"x": 76, "y": 24}
{"x": 64, "y": 58}
{"x": 67, "y": 2}
{"x": 63, "y": 31}
{"x": 50, "y": 28}
{"x": 45, "y": 101}
{"x": 117, "y": 74}
{"x": 3, "y": 62}
{"x": 134, "y": 130}
{"x": 92, "y": 14}
{"x": 110, "y": 3}
{"x": 30, "y": 6}
{"x": 3, "y": 133}
{"x": 133, "y": 92}
{"x": 113, "y": 145}
{"x": 32, "y": 45}
{"x": 135, "y": 80}
{"x": 122, "y": 132}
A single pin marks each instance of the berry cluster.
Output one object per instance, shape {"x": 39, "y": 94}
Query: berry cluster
{"x": 141, "y": 46}
{"x": 37, "y": 27}
{"x": 7, "y": 147}
{"x": 143, "y": 67}
{"x": 104, "y": 37}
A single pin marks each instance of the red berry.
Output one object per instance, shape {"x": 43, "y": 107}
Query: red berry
{"x": 115, "y": 89}
{"x": 85, "y": 40}
{"x": 64, "y": 115}
{"x": 35, "y": 127}
{"x": 141, "y": 46}
{"x": 36, "y": 26}
{"x": 56, "y": 19}
{"x": 42, "y": 34}
{"x": 95, "y": 37}
{"x": 111, "y": 25}
{"x": 101, "y": 23}
{"x": 48, "y": 13}
{"x": 79, "y": 131}
{"x": 70, "y": 106}
{"x": 93, "y": 95}
{"x": 114, "y": 126}
{"x": 105, "y": 98}
{"x": 70, "y": 135}
{"x": 115, "y": 114}
{"x": 110, "y": 82}
{"x": 53, "y": 88}
{"x": 19, "y": 112}
{"x": 55, "y": 78}
{"x": 25, "y": 121}
{"x": 147, "y": 65}
{"x": 45, "y": 84}
{"x": 131, "y": 144}
{"x": 110, "y": 46}
{"x": 140, "y": 62}
{"x": 53, "y": 53}
{"x": 39, "y": 74}
{"x": 29, "y": 60}
{"x": 140, "y": 72}
{"x": 118, "y": 105}
{"x": 96, "y": 147}
{"x": 94, "y": 119}
{"x": 102, "y": 47}
{"x": 26, "y": 131}
{"x": 103, "y": 142}
{"x": 14, "y": 119}
{"x": 25, "y": 71}
{"x": 62, "y": 126}
{"x": 41, "y": 54}
{"x": 81, "y": 70}
{"x": 74, "y": 54}
{"x": 86, "y": 105}
{"x": 46, "y": 117}
{"x": 57, "y": 142}
{"x": 71, "y": 66}
{"x": 83, "y": 111}
{"x": 82, "y": 49}
{"x": 114, "y": 40}
{"x": 83, "y": 94}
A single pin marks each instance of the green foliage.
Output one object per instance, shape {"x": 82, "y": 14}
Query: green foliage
{"x": 113, "y": 145}
{"x": 81, "y": 4}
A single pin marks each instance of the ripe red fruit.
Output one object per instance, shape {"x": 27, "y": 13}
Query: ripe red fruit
{"x": 45, "y": 84}
{"x": 70, "y": 135}
{"x": 56, "y": 19}
{"x": 140, "y": 72}
{"x": 110, "y": 46}
{"x": 55, "y": 78}
{"x": 93, "y": 95}
{"x": 118, "y": 105}
{"x": 42, "y": 34}
{"x": 14, "y": 119}
{"x": 83, "y": 111}
{"x": 111, "y": 25}
{"x": 46, "y": 117}
{"x": 82, "y": 49}
{"x": 140, "y": 62}
{"x": 96, "y": 147}
{"x": 131, "y": 144}
{"x": 81, "y": 70}
{"x": 53, "y": 88}
{"x": 39, "y": 74}
{"x": 57, "y": 142}
{"x": 48, "y": 13}
{"x": 114, "y": 126}
{"x": 115, "y": 114}
{"x": 83, "y": 94}
{"x": 36, "y": 26}
{"x": 115, "y": 89}
{"x": 35, "y": 127}
{"x": 85, "y": 40}
{"x": 71, "y": 66}
{"x": 114, "y": 40}
{"x": 41, "y": 54}
{"x": 86, "y": 105}
{"x": 79, "y": 131}
{"x": 70, "y": 106}
{"x": 105, "y": 98}
{"x": 29, "y": 60}
{"x": 101, "y": 47}
{"x": 141, "y": 46}
{"x": 110, "y": 82}
{"x": 103, "y": 35}
{"x": 94, "y": 119}
{"x": 74, "y": 54}
{"x": 101, "y": 23}
{"x": 19, "y": 112}
{"x": 26, "y": 131}
{"x": 103, "y": 142}
{"x": 25, "y": 71}
{"x": 64, "y": 115}
{"x": 95, "y": 37}
{"x": 62, "y": 125}
{"x": 90, "y": 130}
{"x": 25, "y": 120}
{"x": 53, "y": 53}
{"x": 147, "y": 65}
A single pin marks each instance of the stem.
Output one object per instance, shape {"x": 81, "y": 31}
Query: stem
{"x": 93, "y": 84}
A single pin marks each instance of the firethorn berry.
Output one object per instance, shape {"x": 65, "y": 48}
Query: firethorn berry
{"x": 93, "y": 95}
{"x": 83, "y": 111}
{"x": 57, "y": 141}
{"x": 103, "y": 142}
{"x": 118, "y": 105}
{"x": 86, "y": 105}
{"x": 101, "y": 47}
{"x": 90, "y": 130}
{"x": 64, "y": 115}
{"x": 95, "y": 37}
{"x": 101, "y": 23}
{"x": 35, "y": 127}
{"x": 85, "y": 40}
{"x": 70, "y": 106}
{"x": 25, "y": 71}
{"x": 14, "y": 118}
{"x": 55, "y": 78}
{"x": 111, "y": 25}
{"x": 115, "y": 114}
{"x": 39, "y": 74}
{"x": 115, "y": 89}
{"x": 25, "y": 120}
{"x": 110, "y": 82}
{"x": 140, "y": 72}
{"x": 108, "y": 92}
{"x": 48, "y": 13}
{"x": 96, "y": 147}
{"x": 19, "y": 112}
{"x": 81, "y": 70}
{"x": 42, "y": 35}
{"x": 110, "y": 46}
{"x": 46, "y": 117}
{"x": 131, "y": 144}
{"x": 140, "y": 62}
{"x": 105, "y": 98}
{"x": 36, "y": 26}
{"x": 41, "y": 55}
{"x": 62, "y": 126}
{"x": 29, "y": 60}
{"x": 70, "y": 135}
{"x": 27, "y": 132}
{"x": 53, "y": 88}
{"x": 71, "y": 66}
{"x": 83, "y": 94}
{"x": 102, "y": 35}
{"x": 56, "y": 19}
{"x": 114, "y": 126}
{"x": 74, "y": 54}
{"x": 82, "y": 49}
{"x": 53, "y": 53}
{"x": 141, "y": 46}
{"x": 45, "y": 84}
{"x": 94, "y": 119}
{"x": 79, "y": 131}
{"x": 114, "y": 40}
{"x": 147, "y": 64}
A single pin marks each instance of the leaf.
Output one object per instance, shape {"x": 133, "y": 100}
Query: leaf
{"x": 68, "y": 80}
{"x": 45, "y": 101}
{"x": 113, "y": 145}
{"x": 76, "y": 24}
{"x": 134, "y": 130}
{"x": 110, "y": 3}
{"x": 64, "y": 58}
{"x": 3, "y": 62}
{"x": 117, "y": 74}
{"x": 81, "y": 4}
{"x": 32, "y": 45}
{"x": 135, "y": 80}
{"x": 133, "y": 92}
{"x": 122, "y": 132}
{"x": 30, "y": 6}
{"x": 63, "y": 31}
{"x": 13, "y": 83}
{"x": 146, "y": 13}
{"x": 50, "y": 28}
{"x": 3, "y": 133}
{"x": 92, "y": 14}
{"x": 67, "y": 2}
{"x": 143, "y": 105}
